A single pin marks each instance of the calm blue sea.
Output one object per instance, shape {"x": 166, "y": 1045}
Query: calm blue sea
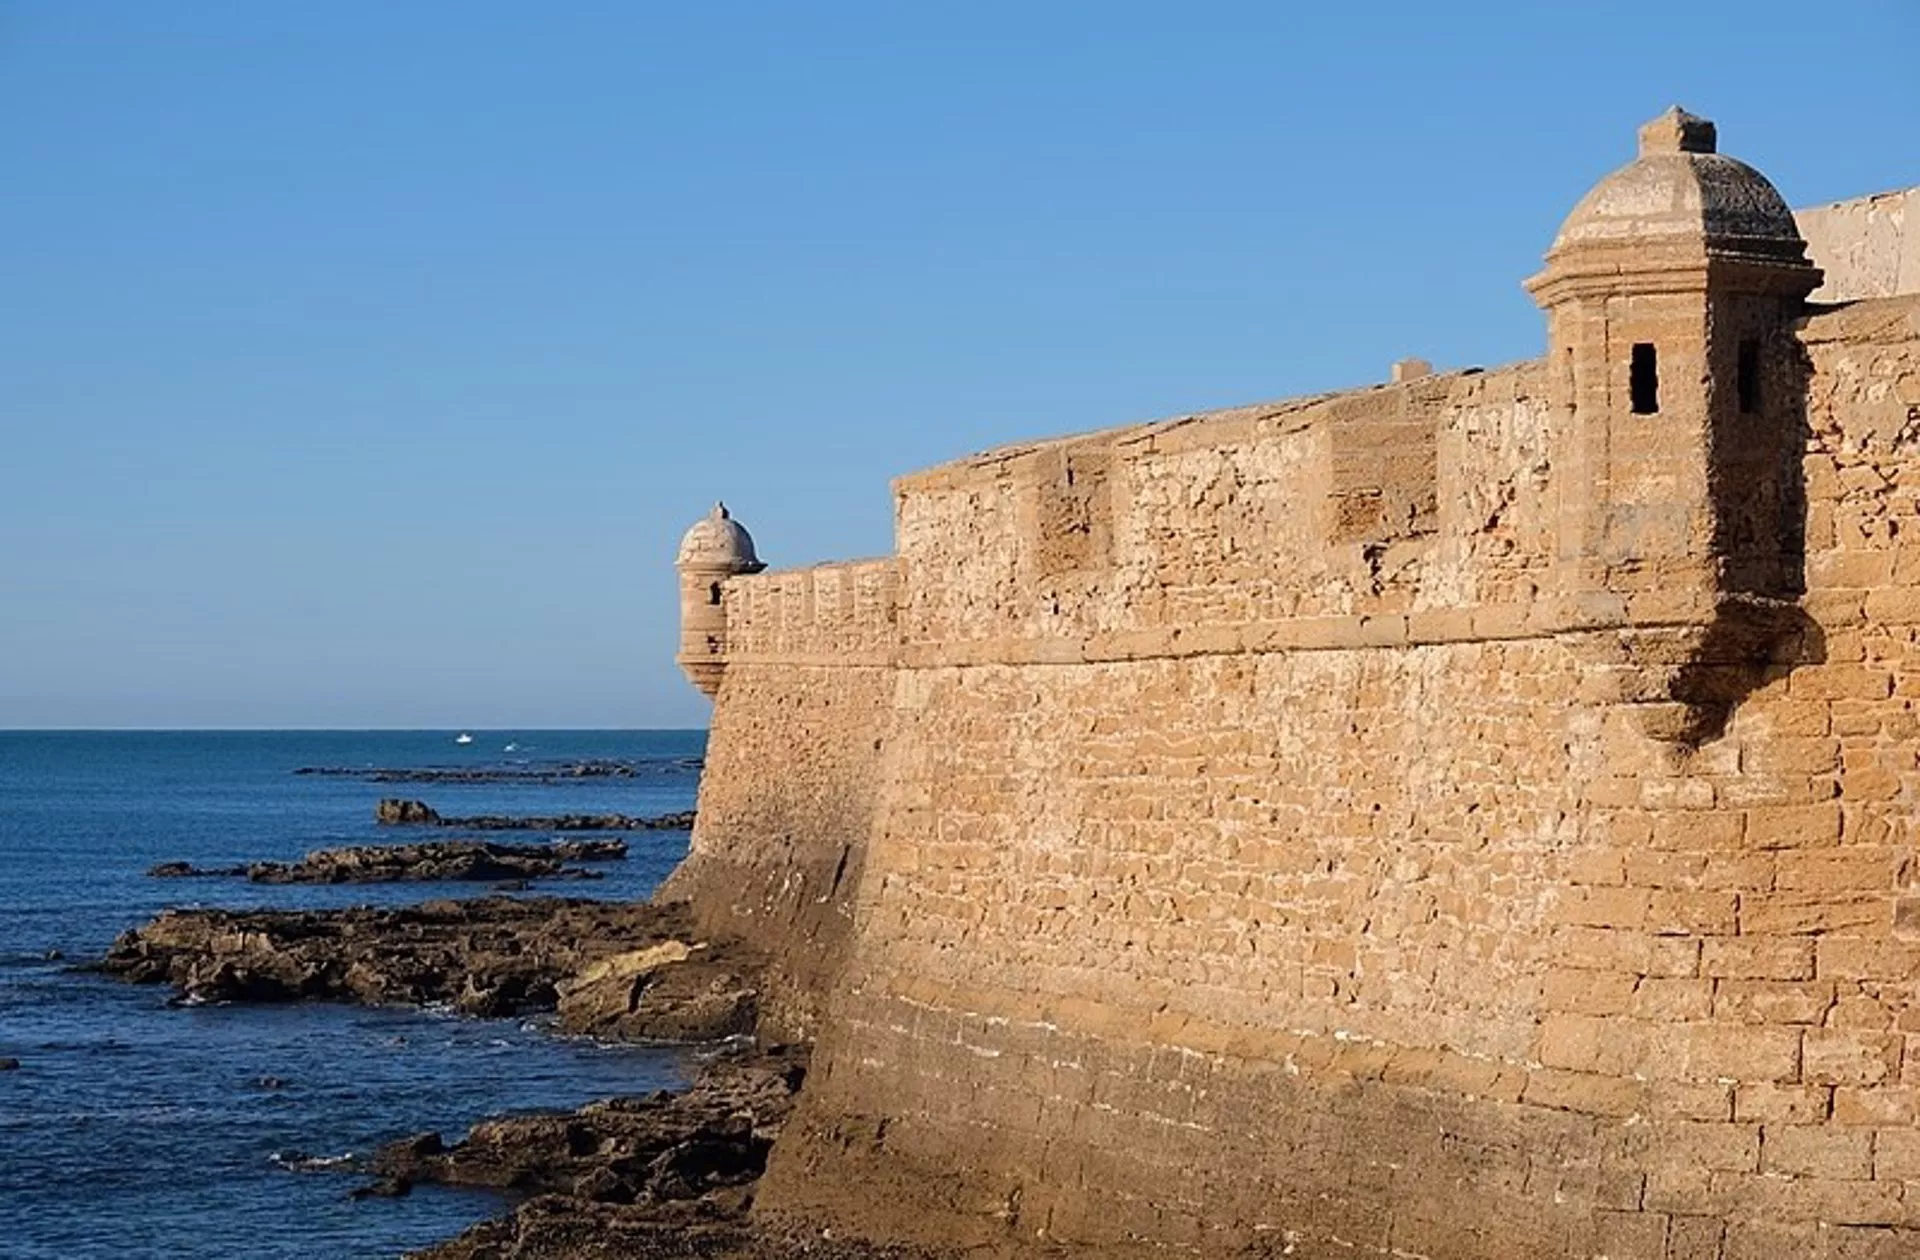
{"x": 132, "y": 1129}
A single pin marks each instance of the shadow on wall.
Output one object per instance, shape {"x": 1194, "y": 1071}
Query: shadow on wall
{"x": 1760, "y": 636}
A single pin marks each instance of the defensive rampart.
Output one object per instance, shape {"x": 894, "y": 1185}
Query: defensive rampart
{"x": 793, "y": 773}
{"x": 1248, "y": 883}
{"x": 1869, "y": 246}
{"x": 1471, "y": 818}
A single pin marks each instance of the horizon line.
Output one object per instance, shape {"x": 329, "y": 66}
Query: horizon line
{"x": 341, "y": 730}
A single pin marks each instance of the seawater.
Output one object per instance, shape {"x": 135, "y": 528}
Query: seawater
{"x": 137, "y": 1129}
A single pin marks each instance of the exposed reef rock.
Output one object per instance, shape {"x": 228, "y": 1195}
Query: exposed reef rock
{"x": 659, "y": 1147}
{"x": 664, "y": 1175}
{"x": 622, "y": 970}
{"x": 558, "y": 1227}
{"x": 559, "y": 772}
{"x": 434, "y": 860}
{"x": 395, "y": 812}
{"x": 661, "y": 1175}
{"x": 187, "y": 870}
{"x": 650, "y": 994}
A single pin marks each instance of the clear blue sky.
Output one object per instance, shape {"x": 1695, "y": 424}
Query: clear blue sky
{"x": 361, "y": 363}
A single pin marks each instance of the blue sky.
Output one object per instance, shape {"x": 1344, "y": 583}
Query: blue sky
{"x": 361, "y": 363}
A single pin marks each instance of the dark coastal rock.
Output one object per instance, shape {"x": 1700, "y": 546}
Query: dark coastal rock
{"x": 392, "y": 812}
{"x": 659, "y": 1177}
{"x": 462, "y": 860}
{"x": 589, "y": 850}
{"x": 657, "y": 1146}
{"x": 437, "y": 860}
{"x": 397, "y": 812}
{"x": 665, "y": 992}
{"x": 187, "y": 870}
{"x": 563, "y": 1227}
{"x": 492, "y": 957}
{"x": 384, "y": 1188}
{"x": 9, "y": 1065}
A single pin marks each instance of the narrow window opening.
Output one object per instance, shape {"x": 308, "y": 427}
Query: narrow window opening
{"x": 1749, "y": 375}
{"x": 713, "y": 594}
{"x": 1644, "y": 383}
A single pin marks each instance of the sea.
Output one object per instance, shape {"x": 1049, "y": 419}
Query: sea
{"x": 136, "y": 1128}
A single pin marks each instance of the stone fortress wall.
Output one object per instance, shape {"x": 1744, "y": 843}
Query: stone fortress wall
{"x": 793, "y": 773}
{"x": 1375, "y": 824}
{"x": 1869, "y": 246}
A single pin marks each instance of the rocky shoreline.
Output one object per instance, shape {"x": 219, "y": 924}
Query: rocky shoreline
{"x": 439, "y": 860}
{"x": 397, "y": 812}
{"x": 664, "y": 1175}
{"x": 629, "y": 971}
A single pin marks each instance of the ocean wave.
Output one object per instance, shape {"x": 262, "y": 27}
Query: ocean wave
{"x": 156, "y": 1114}
{"x": 300, "y": 1161}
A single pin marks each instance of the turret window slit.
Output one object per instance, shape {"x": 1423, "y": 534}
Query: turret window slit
{"x": 1644, "y": 381}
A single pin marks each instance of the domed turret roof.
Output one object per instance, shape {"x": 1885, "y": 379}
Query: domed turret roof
{"x": 1680, "y": 187}
{"x": 717, "y": 541}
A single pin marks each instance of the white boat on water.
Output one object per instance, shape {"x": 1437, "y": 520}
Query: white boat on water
{"x": 463, "y": 738}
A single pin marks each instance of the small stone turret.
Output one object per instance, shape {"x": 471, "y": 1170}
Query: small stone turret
{"x": 1668, "y": 292}
{"x": 715, "y": 549}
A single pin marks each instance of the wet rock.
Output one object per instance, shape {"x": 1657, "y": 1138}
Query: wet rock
{"x": 441, "y": 860}
{"x": 498, "y": 956}
{"x": 385, "y": 1188}
{"x": 393, "y": 812}
{"x": 419, "y": 1146}
{"x": 476, "y": 860}
{"x": 659, "y": 1147}
{"x": 576, "y": 850}
{"x": 670, "y": 991}
{"x": 396, "y": 812}
{"x": 9, "y": 1065}
{"x": 187, "y": 870}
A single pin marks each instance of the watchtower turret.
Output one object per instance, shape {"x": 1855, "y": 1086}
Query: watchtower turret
{"x": 715, "y": 549}
{"x": 1666, "y": 292}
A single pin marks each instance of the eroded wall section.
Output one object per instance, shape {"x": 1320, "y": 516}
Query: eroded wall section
{"x": 788, "y": 795}
{"x": 1255, "y": 875}
{"x": 1869, "y": 246}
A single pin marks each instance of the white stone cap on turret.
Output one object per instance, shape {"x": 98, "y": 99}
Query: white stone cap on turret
{"x": 717, "y": 541}
{"x": 1681, "y": 186}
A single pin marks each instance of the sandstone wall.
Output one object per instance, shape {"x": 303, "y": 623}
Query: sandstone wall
{"x": 1255, "y": 871}
{"x": 792, "y": 775}
{"x": 1867, "y": 246}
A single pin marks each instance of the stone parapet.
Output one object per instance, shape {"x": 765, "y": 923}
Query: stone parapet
{"x": 828, "y": 614}
{"x": 1869, "y": 246}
